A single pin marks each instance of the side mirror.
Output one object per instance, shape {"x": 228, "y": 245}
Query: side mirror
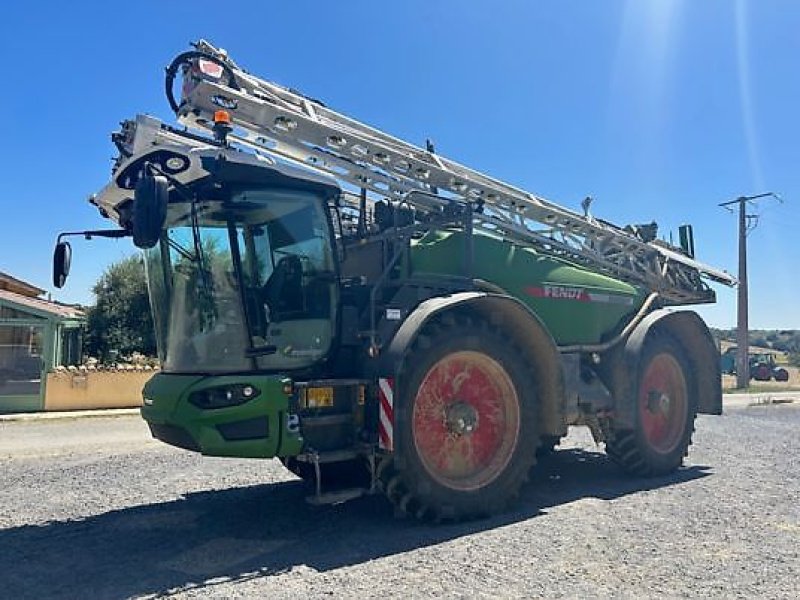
{"x": 62, "y": 258}
{"x": 149, "y": 209}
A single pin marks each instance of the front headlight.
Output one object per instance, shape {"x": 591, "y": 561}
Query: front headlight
{"x": 224, "y": 396}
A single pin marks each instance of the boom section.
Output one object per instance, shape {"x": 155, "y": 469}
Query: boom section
{"x": 279, "y": 121}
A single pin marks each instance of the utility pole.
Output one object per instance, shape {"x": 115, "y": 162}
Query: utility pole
{"x": 746, "y": 224}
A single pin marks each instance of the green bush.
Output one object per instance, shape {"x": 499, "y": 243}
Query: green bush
{"x": 120, "y": 322}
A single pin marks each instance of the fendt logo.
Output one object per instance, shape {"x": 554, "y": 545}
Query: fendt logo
{"x": 554, "y": 291}
{"x": 558, "y": 292}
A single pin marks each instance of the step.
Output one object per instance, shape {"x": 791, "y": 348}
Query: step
{"x": 327, "y": 420}
{"x": 329, "y": 456}
{"x": 337, "y": 496}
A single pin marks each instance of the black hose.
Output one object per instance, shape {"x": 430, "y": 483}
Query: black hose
{"x": 184, "y": 58}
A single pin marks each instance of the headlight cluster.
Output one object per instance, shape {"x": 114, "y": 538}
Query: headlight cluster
{"x": 223, "y": 396}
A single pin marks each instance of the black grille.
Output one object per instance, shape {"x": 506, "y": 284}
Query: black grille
{"x": 249, "y": 429}
{"x": 175, "y": 436}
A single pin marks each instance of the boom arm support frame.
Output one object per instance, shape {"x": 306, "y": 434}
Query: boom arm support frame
{"x": 275, "y": 120}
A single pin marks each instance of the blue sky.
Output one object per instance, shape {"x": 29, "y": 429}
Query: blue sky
{"x": 658, "y": 109}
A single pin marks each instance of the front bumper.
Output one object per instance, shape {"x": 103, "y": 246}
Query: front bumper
{"x": 257, "y": 428}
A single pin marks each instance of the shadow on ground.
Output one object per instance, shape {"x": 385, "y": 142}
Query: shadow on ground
{"x": 258, "y": 531}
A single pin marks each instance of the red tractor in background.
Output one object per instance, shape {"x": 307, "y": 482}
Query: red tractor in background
{"x": 764, "y": 368}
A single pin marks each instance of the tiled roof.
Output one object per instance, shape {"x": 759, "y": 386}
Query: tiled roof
{"x": 9, "y": 282}
{"x": 39, "y": 304}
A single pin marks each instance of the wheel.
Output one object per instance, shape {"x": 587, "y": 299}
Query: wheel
{"x": 348, "y": 473}
{"x": 781, "y": 374}
{"x": 465, "y": 423}
{"x": 666, "y": 406}
{"x": 762, "y": 373}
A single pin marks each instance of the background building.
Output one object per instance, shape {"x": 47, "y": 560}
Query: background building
{"x": 36, "y": 335}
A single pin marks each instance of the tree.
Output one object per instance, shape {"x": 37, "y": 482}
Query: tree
{"x": 120, "y": 321}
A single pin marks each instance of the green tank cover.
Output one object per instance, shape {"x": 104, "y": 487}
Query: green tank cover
{"x": 577, "y": 305}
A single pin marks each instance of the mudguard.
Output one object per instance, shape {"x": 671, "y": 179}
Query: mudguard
{"x": 515, "y": 320}
{"x": 693, "y": 335}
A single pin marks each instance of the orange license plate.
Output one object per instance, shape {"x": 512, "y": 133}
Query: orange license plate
{"x": 319, "y": 397}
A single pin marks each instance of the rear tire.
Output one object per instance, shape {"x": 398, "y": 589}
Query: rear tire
{"x": 762, "y": 373}
{"x": 466, "y": 428}
{"x": 665, "y": 406}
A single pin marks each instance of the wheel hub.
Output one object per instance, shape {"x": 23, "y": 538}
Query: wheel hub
{"x": 466, "y": 420}
{"x": 663, "y": 403}
{"x": 658, "y": 402}
{"x": 460, "y": 418}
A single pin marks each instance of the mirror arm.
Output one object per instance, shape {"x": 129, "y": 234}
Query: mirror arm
{"x": 106, "y": 233}
{"x": 62, "y": 255}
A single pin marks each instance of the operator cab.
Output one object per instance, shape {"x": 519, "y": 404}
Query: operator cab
{"x": 243, "y": 276}
{"x": 239, "y": 251}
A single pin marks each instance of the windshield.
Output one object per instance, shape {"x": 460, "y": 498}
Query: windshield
{"x": 243, "y": 283}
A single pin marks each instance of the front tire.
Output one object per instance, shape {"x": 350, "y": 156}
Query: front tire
{"x": 465, "y": 424}
{"x": 666, "y": 406}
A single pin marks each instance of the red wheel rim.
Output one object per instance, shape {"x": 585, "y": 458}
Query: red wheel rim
{"x": 466, "y": 420}
{"x": 663, "y": 403}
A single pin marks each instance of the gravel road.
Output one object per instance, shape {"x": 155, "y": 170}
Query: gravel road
{"x": 93, "y": 508}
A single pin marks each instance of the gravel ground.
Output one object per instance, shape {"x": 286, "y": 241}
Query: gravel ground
{"x": 93, "y": 508}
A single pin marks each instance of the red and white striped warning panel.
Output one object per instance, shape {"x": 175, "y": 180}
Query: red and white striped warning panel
{"x": 386, "y": 413}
